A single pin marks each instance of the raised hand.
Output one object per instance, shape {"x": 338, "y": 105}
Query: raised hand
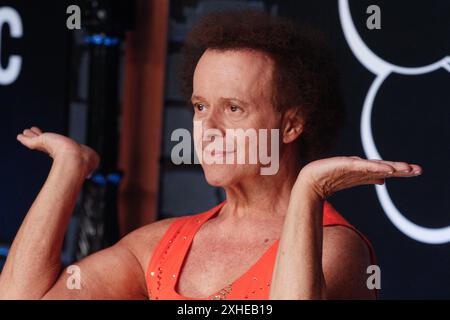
{"x": 327, "y": 176}
{"x": 58, "y": 147}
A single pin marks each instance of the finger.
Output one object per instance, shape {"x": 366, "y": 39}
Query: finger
{"x": 387, "y": 169}
{"x": 372, "y": 172}
{"x": 29, "y": 133}
{"x": 376, "y": 169}
{"x": 416, "y": 169}
{"x": 36, "y": 130}
{"x": 25, "y": 140}
{"x": 33, "y": 143}
{"x": 403, "y": 169}
{"x": 398, "y": 166}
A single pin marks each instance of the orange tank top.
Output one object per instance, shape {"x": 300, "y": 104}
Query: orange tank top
{"x": 169, "y": 255}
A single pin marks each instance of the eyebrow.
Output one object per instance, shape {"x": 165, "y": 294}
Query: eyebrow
{"x": 245, "y": 103}
{"x": 194, "y": 97}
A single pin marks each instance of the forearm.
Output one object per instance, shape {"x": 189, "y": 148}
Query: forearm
{"x": 33, "y": 263}
{"x": 298, "y": 270}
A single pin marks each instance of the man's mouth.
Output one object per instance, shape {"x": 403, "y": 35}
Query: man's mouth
{"x": 220, "y": 153}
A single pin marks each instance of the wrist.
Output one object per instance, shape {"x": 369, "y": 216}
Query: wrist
{"x": 307, "y": 188}
{"x": 71, "y": 163}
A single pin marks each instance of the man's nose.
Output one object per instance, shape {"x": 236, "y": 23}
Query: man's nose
{"x": 212, "y": 126}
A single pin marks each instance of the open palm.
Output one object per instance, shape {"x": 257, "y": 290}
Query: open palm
{"x": 56, "y": 145}
{"x": 329, "y": 175}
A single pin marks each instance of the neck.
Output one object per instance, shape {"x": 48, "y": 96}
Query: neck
{"x": 263, "y": 197}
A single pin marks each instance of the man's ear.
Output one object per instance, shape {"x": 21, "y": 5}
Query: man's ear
{"x": 292, "y": 125}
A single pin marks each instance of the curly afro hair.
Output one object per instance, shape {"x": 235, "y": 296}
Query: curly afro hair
{"x": 305, "y": 76}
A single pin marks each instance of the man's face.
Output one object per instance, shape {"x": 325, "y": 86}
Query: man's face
{"x": 231, "y": 90}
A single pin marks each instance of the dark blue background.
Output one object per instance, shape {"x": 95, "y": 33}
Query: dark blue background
{"x": 37, "y": 97}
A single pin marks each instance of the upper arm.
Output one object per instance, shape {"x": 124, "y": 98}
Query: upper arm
{"x": 117, "y": 272}
{"x": 112, "y": 273}
{"x": 345, "y": 260}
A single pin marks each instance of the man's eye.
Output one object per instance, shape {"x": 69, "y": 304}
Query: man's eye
{"x": 234, "y": 108}
{"x": 199, "y": 106}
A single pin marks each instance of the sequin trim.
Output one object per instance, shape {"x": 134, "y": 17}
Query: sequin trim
{"x": 222, "y": 294}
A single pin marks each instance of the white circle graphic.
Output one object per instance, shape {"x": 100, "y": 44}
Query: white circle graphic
{"x": 382, "y": 69}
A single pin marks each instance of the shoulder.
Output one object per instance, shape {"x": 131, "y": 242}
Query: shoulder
{"x": 347, "y": 254}
{"x": 143, "y": 241}
{"x": 339, "y": 234}
{"x": 346, "y": 257}
{"x": 345, "y": 240}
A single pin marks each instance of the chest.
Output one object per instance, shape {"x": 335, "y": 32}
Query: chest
{"x": 210, "y": 266}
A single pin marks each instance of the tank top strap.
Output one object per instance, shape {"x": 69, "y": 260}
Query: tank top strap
{"x": 169, "y": 253}
{"x": 331, "y": 217}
